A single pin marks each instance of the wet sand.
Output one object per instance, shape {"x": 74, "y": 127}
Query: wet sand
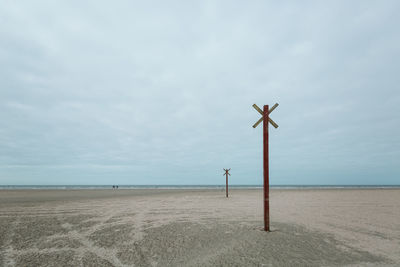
{"x": 147, "y": 227}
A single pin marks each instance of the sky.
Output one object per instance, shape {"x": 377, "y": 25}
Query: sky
{"x": 161, "y": 92}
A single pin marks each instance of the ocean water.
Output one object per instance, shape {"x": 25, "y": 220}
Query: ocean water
{"x": 61, "y": 187}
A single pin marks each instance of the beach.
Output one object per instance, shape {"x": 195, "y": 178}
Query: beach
{"x": 199, "y": 227}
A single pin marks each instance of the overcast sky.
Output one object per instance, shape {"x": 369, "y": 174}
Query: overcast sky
{"x": 146, "y": 92}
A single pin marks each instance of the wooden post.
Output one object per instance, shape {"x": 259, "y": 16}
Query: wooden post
{"x": 266, "y": 120}
{"x": 226, "y": 184}
{"x": 266, "y": 169}
{"x": 227, "y": 173}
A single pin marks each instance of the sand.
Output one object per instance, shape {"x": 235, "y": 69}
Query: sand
{"x": 335, "y": 227}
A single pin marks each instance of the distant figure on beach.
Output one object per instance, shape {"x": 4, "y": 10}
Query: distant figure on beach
{"x": 117, "y": 186}
{"x": 113, "y": 186}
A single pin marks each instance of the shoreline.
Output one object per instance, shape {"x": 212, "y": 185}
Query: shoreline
{"x": 189, "y": 187}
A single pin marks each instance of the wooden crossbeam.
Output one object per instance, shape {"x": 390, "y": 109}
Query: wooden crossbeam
{"x": 262, "y": 118}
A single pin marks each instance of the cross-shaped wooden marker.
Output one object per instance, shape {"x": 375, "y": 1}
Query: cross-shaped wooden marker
{"x": 265, "y": 118}
{"x": 262, "y": 118}
{"x": 227, "y": 173}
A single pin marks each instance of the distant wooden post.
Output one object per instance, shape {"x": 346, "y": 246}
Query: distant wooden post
{"x": 265, "y": 119}
{"x": 227, "y": 173}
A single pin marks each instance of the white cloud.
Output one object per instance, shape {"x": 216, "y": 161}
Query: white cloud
{"x": 157, "y": 92}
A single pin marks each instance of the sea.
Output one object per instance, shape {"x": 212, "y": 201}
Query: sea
{"x": 91, "y": 187}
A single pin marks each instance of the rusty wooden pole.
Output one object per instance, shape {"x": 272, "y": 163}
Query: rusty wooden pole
{"x": 265, "y": 119}
{"x": 266, "y": 169}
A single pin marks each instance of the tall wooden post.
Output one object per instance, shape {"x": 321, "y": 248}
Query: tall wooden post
{"x": 266, "y": 169}
{"x": 266, "y": 120}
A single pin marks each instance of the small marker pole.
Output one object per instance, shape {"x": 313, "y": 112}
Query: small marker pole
{"x": 266, "y": 169}
{"x": 226, "y": 184}
{"x": 227, "y": 173}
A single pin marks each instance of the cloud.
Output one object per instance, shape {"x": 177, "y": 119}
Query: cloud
{"x": 144, "y": 93}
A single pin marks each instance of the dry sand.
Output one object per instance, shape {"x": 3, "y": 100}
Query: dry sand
{"x": 199, "y": 228}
